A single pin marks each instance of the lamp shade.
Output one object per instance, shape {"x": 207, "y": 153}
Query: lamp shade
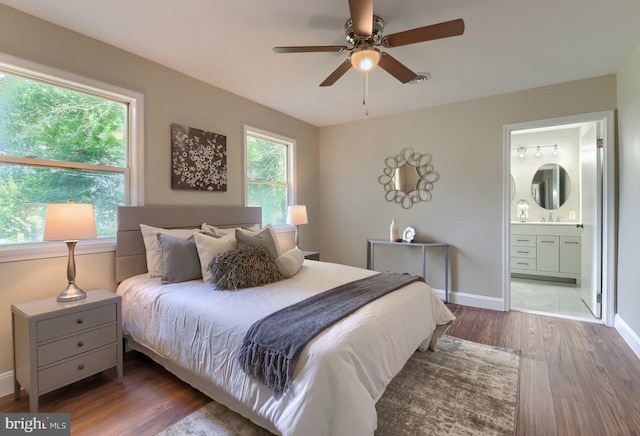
{"x": 69, "y": 221}
{"x": 297, "y": 215}
{"x": 364, "y": 60}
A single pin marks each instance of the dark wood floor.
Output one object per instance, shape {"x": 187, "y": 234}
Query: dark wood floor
{"x": 576, "y": 378}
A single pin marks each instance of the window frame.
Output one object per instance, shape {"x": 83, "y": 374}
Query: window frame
{"x": 290, "y": 143}
{"x": 134, "y": 172}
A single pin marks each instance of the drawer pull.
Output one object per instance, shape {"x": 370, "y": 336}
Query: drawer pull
{"x": 523, "y": 252}
{"x": 522, "y": 263}
{"x": 80, "y": 321}
{"x": 81, "y": 366}
{"x": 80, "y": 344}
{"x": 522, "y": 240}
{"x": 570, "y": 242}
{"x": 547, "y": 242}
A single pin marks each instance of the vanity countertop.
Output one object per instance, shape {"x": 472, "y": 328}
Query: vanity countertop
{"x": 538, "y": 223}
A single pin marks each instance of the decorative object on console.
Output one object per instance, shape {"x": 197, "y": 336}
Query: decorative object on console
{"x": 408, "y": 178}
{"x": 523, "y": 210}
{"x": 394, "y": 234}
{"x": 198, "y": 159}
{"x": 297, "y": 215}
{"x": 70, "y": 222}
{"x": 409, "y": 234}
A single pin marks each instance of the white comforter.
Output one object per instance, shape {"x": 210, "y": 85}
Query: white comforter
{"x": 340, "y": 374}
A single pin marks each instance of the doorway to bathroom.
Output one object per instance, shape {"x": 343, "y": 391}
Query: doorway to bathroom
{"x": 559, "y": 217}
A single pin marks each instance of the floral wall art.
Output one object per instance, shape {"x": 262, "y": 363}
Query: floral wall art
{"x": 198, "y": 159}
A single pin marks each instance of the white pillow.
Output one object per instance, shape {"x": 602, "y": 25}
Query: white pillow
{"x": 225, "y": 231}
{"x": 290, "y": 262}
{"x": 152, "y": 246}
{"x": 209, "y": 247}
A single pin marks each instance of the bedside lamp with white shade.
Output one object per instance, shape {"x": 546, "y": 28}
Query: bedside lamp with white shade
{"x": 70, "y": 222}
{"x": 297, "y": 215}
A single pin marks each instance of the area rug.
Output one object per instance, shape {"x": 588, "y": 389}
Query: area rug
{"x": 463, "y": 388}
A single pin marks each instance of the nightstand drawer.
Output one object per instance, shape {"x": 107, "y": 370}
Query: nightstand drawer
{"x": 59, "y": 350}
{"x": 518, "y": 251}
{"x": 75, "y": 322}
{"x": 523, "y": 263}
{"x": 76, "y": 369}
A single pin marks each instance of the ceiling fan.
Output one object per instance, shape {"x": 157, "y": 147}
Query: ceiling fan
{"x": 364, "y": 32}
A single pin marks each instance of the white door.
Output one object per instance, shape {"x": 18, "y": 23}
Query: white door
{"x": 591, "y": 212}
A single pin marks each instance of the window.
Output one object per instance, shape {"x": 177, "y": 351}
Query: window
{"x": 269, "y": 174}
{"x": 64, "y": 139}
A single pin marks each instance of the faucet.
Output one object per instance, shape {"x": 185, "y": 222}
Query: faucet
{"x": 550, "y": 216}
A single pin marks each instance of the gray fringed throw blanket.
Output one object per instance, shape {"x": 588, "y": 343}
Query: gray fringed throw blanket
{"x": 273, "y": 344}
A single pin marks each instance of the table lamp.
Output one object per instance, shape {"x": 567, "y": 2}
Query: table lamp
{"x": 297, "y": 215}
{"x": 70, "y": 222}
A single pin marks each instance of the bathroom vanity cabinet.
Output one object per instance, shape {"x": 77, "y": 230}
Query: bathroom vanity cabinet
{"x": 550, "y": 250}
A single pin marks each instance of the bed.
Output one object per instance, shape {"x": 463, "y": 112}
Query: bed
{"x": 195, "y": 332}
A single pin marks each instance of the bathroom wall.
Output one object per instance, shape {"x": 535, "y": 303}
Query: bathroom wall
{"x": 523, "y": 170}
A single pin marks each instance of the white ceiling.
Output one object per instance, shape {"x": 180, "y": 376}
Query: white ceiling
{"x": 508, "y": 45}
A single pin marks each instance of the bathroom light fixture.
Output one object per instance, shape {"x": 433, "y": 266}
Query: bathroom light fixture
{"x": 522, "y": 152}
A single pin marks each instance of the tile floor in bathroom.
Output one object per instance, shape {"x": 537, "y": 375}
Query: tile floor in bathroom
{"x": 549, "y": 297}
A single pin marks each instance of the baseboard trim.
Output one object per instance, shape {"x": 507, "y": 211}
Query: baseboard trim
{"x": 479, "y": 301}
{"x": 6, "y": 383}
{"x": 628, "y": 335}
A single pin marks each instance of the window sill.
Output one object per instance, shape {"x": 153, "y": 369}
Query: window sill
{"x": 45, "y": 250}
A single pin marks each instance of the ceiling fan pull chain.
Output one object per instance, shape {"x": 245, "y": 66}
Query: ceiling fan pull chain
{"x": 365, "y": 92}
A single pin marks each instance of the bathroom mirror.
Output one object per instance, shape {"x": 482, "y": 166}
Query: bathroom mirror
{"x": 408, "y": 178}
{"x": 513, "y": 187}
{"x": 551, "y": 186}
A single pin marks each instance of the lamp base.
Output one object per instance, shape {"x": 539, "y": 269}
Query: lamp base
{"x": 71, "y": 293}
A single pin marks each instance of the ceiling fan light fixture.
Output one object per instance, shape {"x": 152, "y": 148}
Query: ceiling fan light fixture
{"x": 365, "y": 59}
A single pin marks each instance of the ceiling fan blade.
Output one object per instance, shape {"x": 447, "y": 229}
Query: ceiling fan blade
{"x": 426, "y": 33}
{"x": 392, "y": 66}
{"x": 310, "y": 49}
{"x": 339, "y": 72}
{"x": 361, "y": 16}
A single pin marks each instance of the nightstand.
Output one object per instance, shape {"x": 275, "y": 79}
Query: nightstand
{"x": 311, "y": 255}
{"x": 55, "y": 344}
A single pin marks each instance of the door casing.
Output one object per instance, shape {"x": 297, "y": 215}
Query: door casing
{"x": 608, "y": 200}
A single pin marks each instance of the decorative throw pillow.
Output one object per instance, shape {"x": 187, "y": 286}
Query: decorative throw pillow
{"x": 209, "y": 247}
{"x": 290, "y": 262}
{"x": 180, "y": 261}
{"x": 225, "y": 231}
{"x": 266, "y": 238}
{"x": 244, "y": 267}
{"x": 152, "y": 246}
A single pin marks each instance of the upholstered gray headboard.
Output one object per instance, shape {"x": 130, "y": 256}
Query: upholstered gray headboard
{"x": 130, "y": 252}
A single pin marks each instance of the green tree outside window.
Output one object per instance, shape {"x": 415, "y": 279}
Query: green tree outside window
{"x": 58, "y": 144}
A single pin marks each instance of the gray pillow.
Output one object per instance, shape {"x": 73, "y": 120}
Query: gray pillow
{"x": 265, "y": 238}
{"x": 245, "y": 267}
{"x": 180, "y": 261}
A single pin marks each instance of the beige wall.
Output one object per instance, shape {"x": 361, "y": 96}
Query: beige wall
{"x": 628, "y": 304}
{"x": 466, "y": 143}
{"x": 169, "y": 97}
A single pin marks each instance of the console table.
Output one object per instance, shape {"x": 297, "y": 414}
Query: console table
{"x": 371, "y": 244}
